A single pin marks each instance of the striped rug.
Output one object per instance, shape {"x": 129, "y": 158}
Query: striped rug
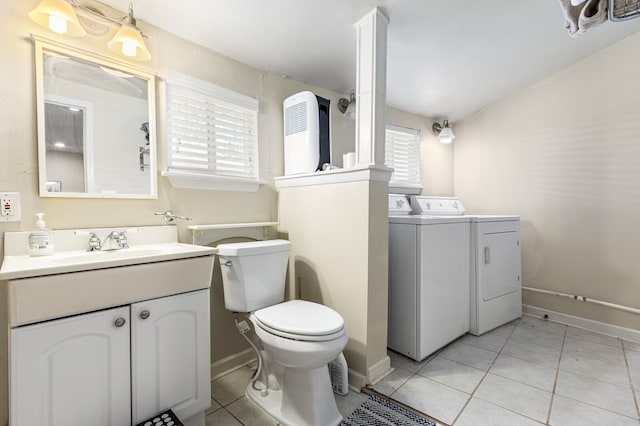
{"x": 377, "y": 411}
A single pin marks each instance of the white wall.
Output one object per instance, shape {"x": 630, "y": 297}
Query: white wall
{"x": 66, "y": 168}
{"x": 564, "y": 153}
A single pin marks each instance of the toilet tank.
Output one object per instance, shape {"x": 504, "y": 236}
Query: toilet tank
{"x": 253, "y": 273}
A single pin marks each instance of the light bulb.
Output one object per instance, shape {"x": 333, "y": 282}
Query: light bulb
{"x": 446, "y": 134}
{"x": 58, "y": 16}
{"x": 350, "y": 112}
{"x": 57, "y": 24}
{"x": 129, "y": 48}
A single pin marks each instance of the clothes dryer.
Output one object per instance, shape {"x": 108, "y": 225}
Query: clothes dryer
{"x": 496, "y": 287}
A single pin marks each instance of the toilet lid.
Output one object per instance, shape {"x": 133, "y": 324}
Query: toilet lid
{"x": 300, "y": 318}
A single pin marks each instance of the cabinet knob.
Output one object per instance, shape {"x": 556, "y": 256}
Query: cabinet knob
{"x": 119, "y": 322}
{"x": 145, "y": 314}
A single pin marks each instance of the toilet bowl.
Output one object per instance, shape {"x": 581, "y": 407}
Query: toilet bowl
{"x": 300, "y": 338}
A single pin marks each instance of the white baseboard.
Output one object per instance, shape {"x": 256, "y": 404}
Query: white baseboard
{"x": 379, "y": 370}
{"x": 232, "y": 362}
{"x": 374, "y": 374}
{"x": 584, "y": 323}
{"x": 357, "y": 381}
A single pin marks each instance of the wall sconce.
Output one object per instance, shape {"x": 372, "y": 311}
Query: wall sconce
{"x": 348, "y": 107}
{"x": 60, "y": 17}
{"x": 443, "y": 131}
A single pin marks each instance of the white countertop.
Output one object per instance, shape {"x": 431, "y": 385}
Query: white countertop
{"x": 24, "y": 266}
{"x": 147, "y": 245}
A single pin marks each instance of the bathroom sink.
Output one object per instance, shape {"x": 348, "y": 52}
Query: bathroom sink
{"x": 141, "y": 253}
{"x": 73, "y": 280}
{"x": 71, "y": 255}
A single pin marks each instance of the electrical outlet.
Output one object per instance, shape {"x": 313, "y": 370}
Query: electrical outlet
{"x": 9, "y": 207}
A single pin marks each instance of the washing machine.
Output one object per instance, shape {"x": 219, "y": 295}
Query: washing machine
{"x": 495, "y": 272}
{"x": 429, "y": 268}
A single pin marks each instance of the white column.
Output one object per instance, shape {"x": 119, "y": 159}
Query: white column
{"x": 371, "y": 87}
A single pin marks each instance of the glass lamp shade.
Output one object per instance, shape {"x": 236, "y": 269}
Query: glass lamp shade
{"x": 58, "y": 16}
{"x": 446, "y": 135}
{"x": 350, "y": 112}
{"x": 129, "y": 42}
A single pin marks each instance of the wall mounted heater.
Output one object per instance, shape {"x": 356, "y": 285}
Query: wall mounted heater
{"x": 307, "y": 144}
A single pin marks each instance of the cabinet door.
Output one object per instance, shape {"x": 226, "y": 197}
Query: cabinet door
{"x": 170, "y": 355}
{"x": 72, "y": 371}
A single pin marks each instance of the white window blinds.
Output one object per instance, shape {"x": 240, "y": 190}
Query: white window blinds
{"x": 210, "y": 130}
{"x": 402, "y": 153}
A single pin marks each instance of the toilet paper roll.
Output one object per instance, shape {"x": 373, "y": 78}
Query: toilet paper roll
{"x": 348, "y": 160}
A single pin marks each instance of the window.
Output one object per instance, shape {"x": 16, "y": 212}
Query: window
{"x": 212, "y": 136}
{"x": 402, "y": 153}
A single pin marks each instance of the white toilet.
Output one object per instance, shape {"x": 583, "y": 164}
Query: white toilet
{"x": 299, "y": 337}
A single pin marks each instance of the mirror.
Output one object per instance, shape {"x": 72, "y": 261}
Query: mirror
{"x": 96, "y": 125}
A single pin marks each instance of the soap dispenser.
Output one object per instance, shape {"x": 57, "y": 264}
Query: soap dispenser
{"x": 40, "y": 240}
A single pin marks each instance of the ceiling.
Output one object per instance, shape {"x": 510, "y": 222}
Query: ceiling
{"x": 446, "y": 58}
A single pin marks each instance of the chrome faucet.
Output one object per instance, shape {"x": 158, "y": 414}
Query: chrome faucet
{"x": 94, "y": 242}
{"x": 120, "y": 238}
{"x": 117, "y": 237}
{"x": 169, "y": 216}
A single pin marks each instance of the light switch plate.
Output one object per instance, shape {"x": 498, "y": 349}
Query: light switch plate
{"x": 9, "y": 207}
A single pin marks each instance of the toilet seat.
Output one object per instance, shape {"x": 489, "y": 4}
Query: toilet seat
{"x": 300, "y": 320}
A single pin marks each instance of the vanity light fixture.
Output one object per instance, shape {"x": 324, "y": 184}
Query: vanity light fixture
{"x": 348, "y": 107}
{"x": 443, "y": 132}
{"x": 128, "y": 40}
{"x": 60, "y": 17}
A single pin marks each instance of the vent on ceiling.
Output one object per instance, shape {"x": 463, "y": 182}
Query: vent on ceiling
{"x": 621, "y": 10}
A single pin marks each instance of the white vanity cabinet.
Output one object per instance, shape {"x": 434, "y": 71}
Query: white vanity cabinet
{"x": 108, "y": 337}
{"x": 72, "y": 371}
{"x": 170, "y": 355}
{"x": 114, "y": 367}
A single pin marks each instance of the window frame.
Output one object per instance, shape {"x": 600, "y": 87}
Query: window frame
{"x": 192, "y": 177}
{"x": 404, "y": 186}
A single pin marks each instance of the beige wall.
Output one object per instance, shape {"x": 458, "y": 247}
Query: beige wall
{"x": 565, "y": 154}
{"x": 339, "y": 243}
{"x": 18, "y": 150}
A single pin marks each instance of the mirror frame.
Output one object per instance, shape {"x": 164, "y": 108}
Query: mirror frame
{"x": 43, "y": 45}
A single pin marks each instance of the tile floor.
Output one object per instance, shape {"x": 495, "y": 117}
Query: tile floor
{"x": 528, "y": 372}
{"x": 230, "y": 407}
